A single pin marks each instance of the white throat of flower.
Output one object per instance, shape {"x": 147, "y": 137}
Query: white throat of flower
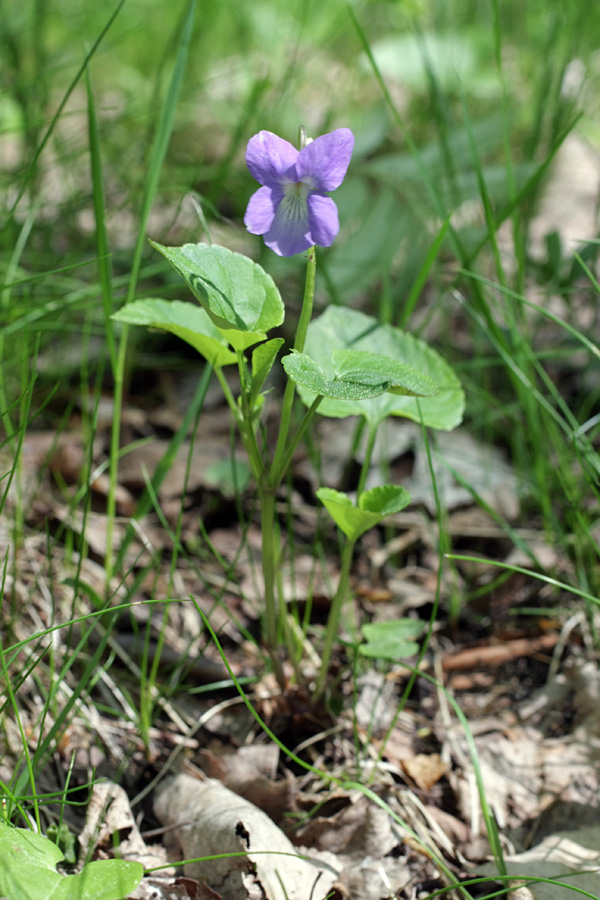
{"x": 294, "y": 205}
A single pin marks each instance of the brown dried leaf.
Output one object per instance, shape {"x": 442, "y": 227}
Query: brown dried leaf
{"x": 250, "y": 772}
{"x": 425, "y": 769}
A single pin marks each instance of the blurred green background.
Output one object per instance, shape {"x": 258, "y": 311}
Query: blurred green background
{"x": 513, "y": 73}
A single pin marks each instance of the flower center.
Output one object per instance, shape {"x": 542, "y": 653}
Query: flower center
{"x": 294, "y": 204}
{"x": 297, "y": 189}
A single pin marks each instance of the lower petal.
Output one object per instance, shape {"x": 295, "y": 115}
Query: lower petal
{"x": 261, "y": 210}
{"x": 323, "y": 219}
{"x": 290, "y": 232}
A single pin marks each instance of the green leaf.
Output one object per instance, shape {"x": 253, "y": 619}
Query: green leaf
{"x": 306, "y": 373}
{"x": 189, "y": 322}
{"x": 360, "y": 365}
{"x": 373, "y": 506}
{"x": 228, "y": 475}
{"x": 238, "y": 295}
{"x": 406, "y": 629}
{"x": 28, "y": 871}
{"x": 392, "y": 649}
{"x": 349, "y": 519}
{"x": 385, "y": 500}
{"x": 391, "y": 640}
{"x": 63, "y": 837}
{"x": 263, "y": 358}
{"x": 347, "y": 329}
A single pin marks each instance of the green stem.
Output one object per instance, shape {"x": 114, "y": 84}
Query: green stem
{"x": 268, "y": 568}
{"x": 333, "y": 621}
{"x": 249, "y": 434}
{"x": 115, "y": 439}
{"x": 367, "y": 461}
{"x": 281, "y": 461}
{"x": 245, "y": 428}
{"x": 288, "y": 397}
{"x": 307, "y": 301}
{"x": 275, "y": 477}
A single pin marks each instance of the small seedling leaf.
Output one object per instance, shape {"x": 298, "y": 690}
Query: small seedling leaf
{"x": 385, "y": 500}
{"x": 189, "y": 322}
{"x": 239, "y": 296}
{"x": 28, "y": 871}
{"x": 373, "y": 506}
{"x": 228, "y": 476}
{"x": 392, "y": 640}
{"x": 393, "y": 649}
{"x": 406, "y": 629}
{"x": 349, "y": 519}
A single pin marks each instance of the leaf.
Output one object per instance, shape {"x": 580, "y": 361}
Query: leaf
{"x": 359, "y": 365}
{"x": 238, "y": 295}
{"x": 393, "y": 649}
{"x": 205, "y": 818}
{"x": 385, "y": 500}
{"x": 189, "y": 322}
{"x": 347, "y": 329}
{"x": 305, "y": 372}
{"x": 349, "y": 519}
{"x": 229, "y": 475}
{"x": 406, "y": 629}
{"x": 28, "y": 871}
{"x": 373, "y": 506}
{"x": 391, "y": 640}
{"x": 263, "y": 358}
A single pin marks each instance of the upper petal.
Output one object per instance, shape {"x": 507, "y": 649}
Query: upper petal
{"x": 323, "y": 219}
{"x": 261, "y": 209}
{"x": 270, "y": 159}
{"x": 325, "y": 160}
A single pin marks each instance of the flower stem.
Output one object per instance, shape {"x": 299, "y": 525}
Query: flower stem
{"x": 115, "y": 436}
{"x": 367, "y": 461}
{"x": 277, "y": 476}
{"x": 268, "y": 568}
{"x": 333, "y": 621}
{"x": 245, "y": 428}
{"x": 277, "y": 471}
{"x": 268, "y": 485}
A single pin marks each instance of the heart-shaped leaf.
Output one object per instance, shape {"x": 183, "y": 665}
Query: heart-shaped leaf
{"x": 189, "y": 322}
{"x": 373, "y": 506}
{"x": 238, "y": 295}
{"x": 394, "y": 639}
{"x": 349, "y": 518}
{"x": 385, "y": 500}
{"x": 347, "y": 329}
{"x": 28, "y": 871}
{"x": 360, "y": 365}
{"x": 306, "y": 373}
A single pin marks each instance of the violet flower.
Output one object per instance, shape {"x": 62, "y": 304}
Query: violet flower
{"x": 292, "y": 210}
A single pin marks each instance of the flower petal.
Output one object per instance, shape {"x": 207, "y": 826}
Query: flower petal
{"x": 261, "y": 209}
{"x": 270, "y": 158}
{"x": 290, "y": 232}
{"x": 325, "y": 160}
{"x": 323, "y": 219}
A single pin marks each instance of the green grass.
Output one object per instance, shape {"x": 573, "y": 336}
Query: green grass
{"x": 111, "y": 119}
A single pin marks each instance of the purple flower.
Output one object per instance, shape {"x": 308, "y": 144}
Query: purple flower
{"x": 292, "y": 210}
